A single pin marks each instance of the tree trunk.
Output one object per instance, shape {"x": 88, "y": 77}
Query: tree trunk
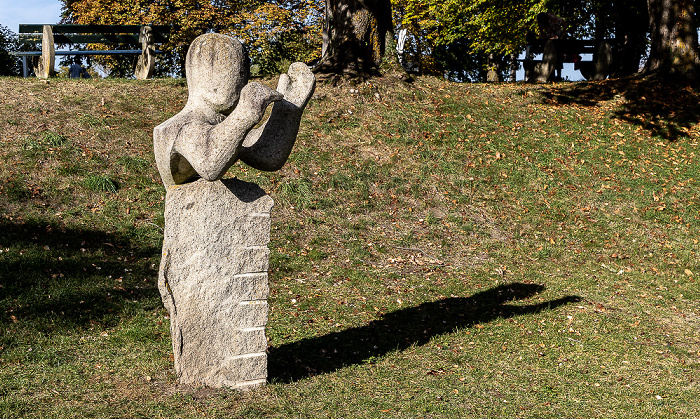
{"x": 354, "y": 34}
{"x": 674, "y": 39}
{"x": 493, "y": 67}
{"x": 631, "y": 26}
{"x": 514, "y": 66}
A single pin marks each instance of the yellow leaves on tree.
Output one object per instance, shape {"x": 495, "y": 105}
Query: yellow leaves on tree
{"x": 277, "y": 34}
{"x": 258, "y": 24}
{"x": 490, "y": 26}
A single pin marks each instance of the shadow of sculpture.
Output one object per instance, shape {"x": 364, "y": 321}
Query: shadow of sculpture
{"x": 245, "y": 191}
{"x": 401, "y": 329}
{"x": 668, "y": 108}
{"x": 53, "y": 277}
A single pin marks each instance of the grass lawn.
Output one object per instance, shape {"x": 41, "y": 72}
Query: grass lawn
{"x": 437, "y": 250}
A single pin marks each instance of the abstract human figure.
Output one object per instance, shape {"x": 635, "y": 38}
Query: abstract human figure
{"x": 213, "y": 271}
{"x": 551, "y": 26}
{"x": 215, "y": 128}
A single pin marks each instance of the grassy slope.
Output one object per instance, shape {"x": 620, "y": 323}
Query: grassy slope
{"x": 438, "y": 250}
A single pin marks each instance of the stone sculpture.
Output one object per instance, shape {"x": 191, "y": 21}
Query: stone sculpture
{"x": 213, "y": 272}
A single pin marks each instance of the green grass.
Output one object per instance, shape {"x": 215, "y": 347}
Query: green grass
{"x": 447, "y": 251}
{"x": 100, "y": 183}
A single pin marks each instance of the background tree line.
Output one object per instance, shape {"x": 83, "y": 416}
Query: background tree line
{"x": 458, "y": 39}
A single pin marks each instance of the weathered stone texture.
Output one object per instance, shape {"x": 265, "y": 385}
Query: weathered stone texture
{"x": 213, "y": 275}
{"x": 213, "y": 280}
{"x": 217, "y": 126}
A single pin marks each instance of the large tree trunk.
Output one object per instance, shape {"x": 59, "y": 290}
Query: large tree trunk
{"x": 631, "y": 26}
{"x": 674, "y": 39}
{"x": 354, "y": 34}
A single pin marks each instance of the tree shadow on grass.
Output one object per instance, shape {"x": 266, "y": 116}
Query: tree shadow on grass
{"x": 400, "y": 330}
{"x": 666, "y": 107}
{"x": 53, "y": 277}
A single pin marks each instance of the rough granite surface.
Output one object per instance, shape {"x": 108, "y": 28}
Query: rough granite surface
{"x": 215, "y": 128}
{"x": 213, "y": 281}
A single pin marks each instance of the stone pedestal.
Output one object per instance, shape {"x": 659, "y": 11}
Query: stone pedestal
{"x": 213, "y": 281}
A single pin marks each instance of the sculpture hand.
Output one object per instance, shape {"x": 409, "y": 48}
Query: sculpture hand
{"x": 268, "y": 146}
{"x": 297, "y": 85}
{"x": 255, "y": 98}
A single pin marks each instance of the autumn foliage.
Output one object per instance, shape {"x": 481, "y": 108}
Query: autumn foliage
{"x": 444, "y": 35}
{"x": 263, "y": 26}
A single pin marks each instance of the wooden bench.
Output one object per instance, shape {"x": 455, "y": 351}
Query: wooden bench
{"x": 50, "y": 35}
{"x": 555, "y": 52}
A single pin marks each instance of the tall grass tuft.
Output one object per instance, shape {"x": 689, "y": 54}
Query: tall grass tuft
{"x": 100, "y": 183}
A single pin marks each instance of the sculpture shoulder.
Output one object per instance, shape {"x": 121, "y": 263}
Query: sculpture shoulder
{"x": 174, "y": 131}
{"x": 165, "y": 137}
{"x": 186, "y": 122}
{"x": 170, "y": 128}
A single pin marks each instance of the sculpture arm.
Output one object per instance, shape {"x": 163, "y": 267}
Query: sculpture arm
{"x": 268, "y": 146}
{"x": 211, "y": 148}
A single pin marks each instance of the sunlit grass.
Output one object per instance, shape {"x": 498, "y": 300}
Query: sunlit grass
{"x": 443, "y": 250}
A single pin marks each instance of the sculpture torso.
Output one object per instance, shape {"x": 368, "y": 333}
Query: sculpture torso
{"x": 207, "y": 136}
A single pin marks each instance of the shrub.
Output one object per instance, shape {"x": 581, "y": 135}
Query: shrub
{"x": 9, "y": 64}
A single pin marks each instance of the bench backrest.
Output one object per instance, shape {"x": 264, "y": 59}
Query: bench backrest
{"x": 570, "y": 46}
{"x": 92, "y": 34}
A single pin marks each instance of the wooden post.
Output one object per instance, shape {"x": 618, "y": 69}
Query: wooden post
{"x": 529, "y": 64}
{"x": 513, "y": 60}
{"x": 146, "y": 63}
{"x": 45, "y": 67}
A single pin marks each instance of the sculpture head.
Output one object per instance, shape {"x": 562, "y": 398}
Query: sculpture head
{"x": 217, "y": 70}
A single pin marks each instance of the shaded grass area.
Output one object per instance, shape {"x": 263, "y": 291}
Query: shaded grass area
{"x": 665, "y": 106}
{"x": 438, "y": 250}
{"x": 50, "y": 269}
